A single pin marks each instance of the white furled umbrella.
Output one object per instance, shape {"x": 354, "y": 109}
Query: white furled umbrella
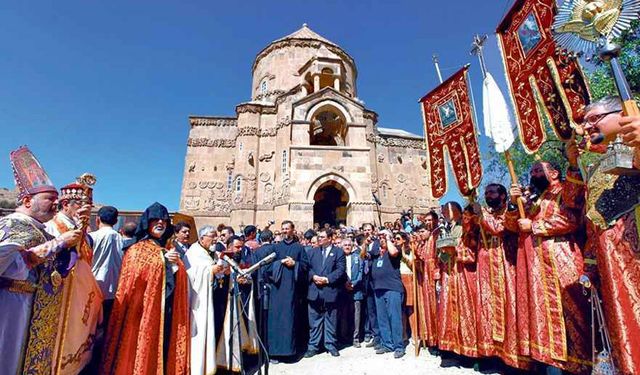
{"x": 498, "y": 124}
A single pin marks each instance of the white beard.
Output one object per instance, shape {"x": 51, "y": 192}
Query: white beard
{"x": 158, "y": 231}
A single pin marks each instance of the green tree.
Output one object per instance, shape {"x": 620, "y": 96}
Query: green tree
{"x": 601, "y": 81}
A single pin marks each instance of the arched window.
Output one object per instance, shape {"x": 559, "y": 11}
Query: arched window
{"x": 263, "y": 87}
{"x": 239, "y": 184}
{"x": 326, "y": 78}
{"x": 328, "y": 127}
{"x": 285, "y": 162}
{"x": 384, "y": 191}
{"x": 229, "y": 180}
{"x": 240, "y": 147}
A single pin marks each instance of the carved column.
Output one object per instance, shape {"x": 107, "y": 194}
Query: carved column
{"x": 336, "y": 83}
{"x": 316, "y": 83}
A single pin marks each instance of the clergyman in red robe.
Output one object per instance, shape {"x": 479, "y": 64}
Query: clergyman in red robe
{"x": 613, "y": 213}
{"x": 149, "y": 329}
{"x": 429, "y": 262}
{"x": 552, "y": 309}
{"x": 496, "y": 271}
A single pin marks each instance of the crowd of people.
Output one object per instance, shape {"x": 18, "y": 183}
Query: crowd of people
{"x": 530, "y": 279}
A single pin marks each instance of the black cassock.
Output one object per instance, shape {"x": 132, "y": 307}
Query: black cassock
{"x": 285, "y": 289}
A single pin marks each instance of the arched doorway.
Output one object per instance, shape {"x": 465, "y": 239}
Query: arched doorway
{"x": 330, "y": 207}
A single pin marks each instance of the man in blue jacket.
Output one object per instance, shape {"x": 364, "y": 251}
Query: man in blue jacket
{"x": 354, "y": 286}
{"x": 326, "y": 277}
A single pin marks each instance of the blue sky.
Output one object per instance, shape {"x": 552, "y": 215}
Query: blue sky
{"x": 107, "y": 87}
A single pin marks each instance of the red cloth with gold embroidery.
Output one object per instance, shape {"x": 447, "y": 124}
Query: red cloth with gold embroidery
{"x": 552, "y": 309}
{"x": 537, "y": 73}
{"x": 617, "y": 250}
{"x": 135, "y": 336}
{"x": 496, "y": 309}
{"x": 618, "y": 257}
{"x": 458, "y": 295}
{"x": 429, "y": 263}
{"x": 448, "y": 121}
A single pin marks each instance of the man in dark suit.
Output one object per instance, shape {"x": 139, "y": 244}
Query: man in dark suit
{"x": 181, "y": 243}
{"x": 326, "y": 274}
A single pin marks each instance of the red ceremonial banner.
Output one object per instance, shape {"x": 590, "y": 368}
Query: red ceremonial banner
{"x": 448, "y": 123}
{"x": 542, "y": 82}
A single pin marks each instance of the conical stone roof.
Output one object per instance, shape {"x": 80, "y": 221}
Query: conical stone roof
{"x": 305, "y": 33}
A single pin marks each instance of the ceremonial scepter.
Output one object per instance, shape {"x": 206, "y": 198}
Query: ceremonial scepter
{"x": 585, "y": 27}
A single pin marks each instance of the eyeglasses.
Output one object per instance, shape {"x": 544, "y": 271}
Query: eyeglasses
{"x": 594, "y": 119}
{"x": 398, "y": 238}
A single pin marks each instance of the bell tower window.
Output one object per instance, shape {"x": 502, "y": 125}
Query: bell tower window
{"x": 328, "y": 127}
{"x": 263, "y": 87}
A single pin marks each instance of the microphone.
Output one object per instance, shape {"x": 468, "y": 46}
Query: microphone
{"x": 262, "y": 262}
{"x": 596, "y": 139}
{"x": 234, "y": 265}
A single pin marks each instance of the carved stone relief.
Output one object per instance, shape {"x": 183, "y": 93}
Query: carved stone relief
{"x": 396, "y": 142}
{"x": 268, "y": 194}
{"x": 270, "y": 93}
{"x": 267, "y": 157}
{"x": 229, "y": 166}
{"x": 265, "y": 177}
{"x": 406, "y": 196}
{"x": 208, "y": 121}
{"x": 192, "y": 203}
{"x": 207, "y": 142}
{"x": 250, "y": 189}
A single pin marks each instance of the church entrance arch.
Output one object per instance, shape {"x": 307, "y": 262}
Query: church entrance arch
{"x": 331, "y": 202}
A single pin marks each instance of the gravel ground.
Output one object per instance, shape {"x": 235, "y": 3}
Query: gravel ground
{"x": 364, "y": 361}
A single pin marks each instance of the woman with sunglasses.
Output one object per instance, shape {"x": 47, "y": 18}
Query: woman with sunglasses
{"x": 407, "y": 247}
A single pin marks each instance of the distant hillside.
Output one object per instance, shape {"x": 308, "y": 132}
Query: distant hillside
{"x": 8, "y": 198}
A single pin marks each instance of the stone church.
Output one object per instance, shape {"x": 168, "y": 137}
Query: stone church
{"x": 303, "y": 148}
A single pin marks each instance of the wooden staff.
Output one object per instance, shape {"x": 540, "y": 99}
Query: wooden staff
{"x": 514, "y": 181}
{"x": 417, "y": 342}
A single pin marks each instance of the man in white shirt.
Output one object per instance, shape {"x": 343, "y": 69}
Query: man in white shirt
{"x": 107, "y": 256}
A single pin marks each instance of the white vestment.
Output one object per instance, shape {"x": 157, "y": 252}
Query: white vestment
{"x": 199, "y": 263}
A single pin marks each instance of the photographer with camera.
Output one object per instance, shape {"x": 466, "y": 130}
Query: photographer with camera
{"x": 389, "y": 294}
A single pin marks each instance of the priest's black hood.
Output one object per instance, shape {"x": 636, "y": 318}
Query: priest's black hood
{"x": 155, "y": 211}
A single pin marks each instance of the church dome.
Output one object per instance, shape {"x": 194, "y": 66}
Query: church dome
{"x": 284, "y": 64}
